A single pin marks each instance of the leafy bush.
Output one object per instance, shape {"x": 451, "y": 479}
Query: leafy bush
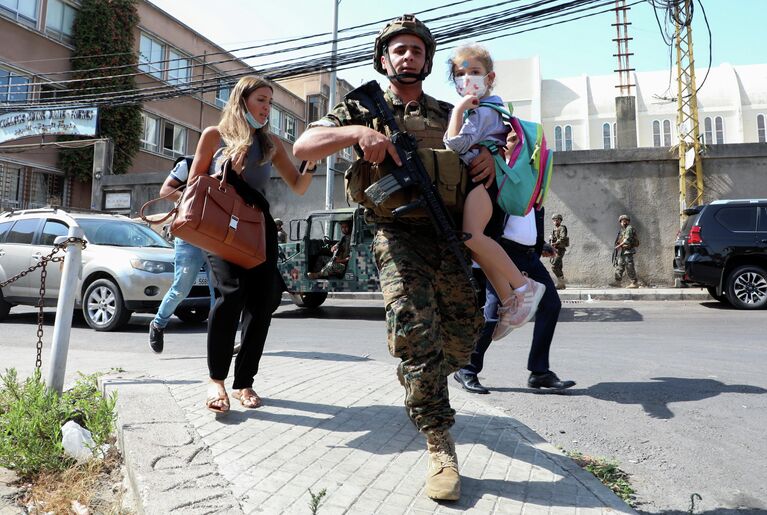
{"x": 31, "y": 417}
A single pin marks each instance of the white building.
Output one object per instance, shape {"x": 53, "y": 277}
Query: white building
{"x": 578, "y": 113}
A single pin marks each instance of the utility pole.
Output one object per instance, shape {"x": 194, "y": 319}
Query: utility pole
{"x": 330, "y": 175}
{"x": 625, "y": 103}
{"x": 690, "y": 166}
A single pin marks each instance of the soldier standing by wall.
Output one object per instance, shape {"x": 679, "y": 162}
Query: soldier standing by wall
{"x": 560, "y": 241}
{"x": 282, "y": 236}
{"x": 626, "y": 244}
{"x": 432, "y": 315}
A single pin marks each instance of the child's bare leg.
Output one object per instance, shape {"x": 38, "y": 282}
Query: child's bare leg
{"x": 477, "y": 211}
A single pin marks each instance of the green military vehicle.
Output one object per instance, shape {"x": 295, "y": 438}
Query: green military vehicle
{"x": 309, "y": 246}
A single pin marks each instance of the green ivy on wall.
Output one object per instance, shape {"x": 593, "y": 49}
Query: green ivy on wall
{"x": 103, "y": 37}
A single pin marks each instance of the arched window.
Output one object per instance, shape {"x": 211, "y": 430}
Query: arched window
{"x": 708, "y": 131}
{"x": 666, "y": 133}
{"x": 719, "y": 126}
{"x": 655, "y": 133}
{"x": 606, "y": 141}
{"x": 568, "y": 137}
{"x": 761, "y": 129}
{"x": 558, "y": 138}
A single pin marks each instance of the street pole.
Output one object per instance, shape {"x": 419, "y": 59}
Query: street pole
{"x": 63, "y": 325}
{"x": 330, "y": 175}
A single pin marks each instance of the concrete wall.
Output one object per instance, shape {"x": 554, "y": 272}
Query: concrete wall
{"x": 591, "y": 189}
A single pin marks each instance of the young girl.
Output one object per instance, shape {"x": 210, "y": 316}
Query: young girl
{"x": 471, "y": 68}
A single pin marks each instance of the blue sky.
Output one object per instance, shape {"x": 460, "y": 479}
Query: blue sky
{"x": 571, "y": 49}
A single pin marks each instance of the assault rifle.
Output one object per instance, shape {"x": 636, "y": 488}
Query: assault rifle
{"x": 411, "y": 174}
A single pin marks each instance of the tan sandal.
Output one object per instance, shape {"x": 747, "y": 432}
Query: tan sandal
{"x": 218, "y": 400}
{"x": 248, "y": 398}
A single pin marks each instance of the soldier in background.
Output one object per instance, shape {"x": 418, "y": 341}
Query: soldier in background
{"x": 282, "y": 236}
{"x": 336, "y": 265}
{"x": 432, "y": 316}
{"x": 560, "y": 241}
{"x": 626, "y": 244}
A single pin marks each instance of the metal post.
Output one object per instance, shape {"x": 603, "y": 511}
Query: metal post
{"x": 330, "y": 175}
{"x": 63, "y": 324}
{"x": 103, "y": 152}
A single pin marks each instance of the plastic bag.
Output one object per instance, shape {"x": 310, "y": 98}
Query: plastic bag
{"x": 77, "y": 441}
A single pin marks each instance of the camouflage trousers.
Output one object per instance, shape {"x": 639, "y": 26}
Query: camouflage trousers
{"x": 332, "y": 269}
{"x": 625, "y": 264}
{"x": 432, "y": 317}
{"x": 556, "y": 263}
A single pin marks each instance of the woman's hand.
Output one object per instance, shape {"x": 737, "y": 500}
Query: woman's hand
{"x": 238, "y": 162}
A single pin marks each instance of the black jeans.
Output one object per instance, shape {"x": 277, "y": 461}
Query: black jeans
{"x": 245, "y": 293}
{"x": 545, "y": 317}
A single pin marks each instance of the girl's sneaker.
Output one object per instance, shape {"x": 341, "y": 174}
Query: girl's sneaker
{"x": 518, "y": 309}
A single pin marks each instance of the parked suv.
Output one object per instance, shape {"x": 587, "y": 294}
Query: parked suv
{"x": 127, "y": 267}
{"x": 723, "y": 247}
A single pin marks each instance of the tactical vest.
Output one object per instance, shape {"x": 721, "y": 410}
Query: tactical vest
{"x": 427, "y": 122}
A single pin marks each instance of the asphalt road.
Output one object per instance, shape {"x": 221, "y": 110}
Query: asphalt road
{"x": 674, "y": 392}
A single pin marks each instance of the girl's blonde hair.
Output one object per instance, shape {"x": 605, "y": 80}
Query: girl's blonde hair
{"x": 235, "y": 129}
{"x": 473, "y": 51}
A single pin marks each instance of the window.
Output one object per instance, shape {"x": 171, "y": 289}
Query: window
{"x": 761, "y": 130}
{"x": 23, "y": 231}
{"x": 150, "y": 56}
{"x": 222, "y": 94}
{"x": 606, "y": 132}
{"x": 315, "y": 108}
{"x": 10, "y": 186}
{"x": 275, "y": 121}
{"x": 51, "y": 230}
{"x": 708, "y": 132}
{"x": 738, "y": 219}
{"x": 666, "y": 133}
{"x": 179, "y": 69}
{"x": 13, "y": 87}
{"x": 59, "y": 20}
{"x": 719, "y": 127}
{"x": 173, "y": 140}
{"x": 4, "y": 228}
{"x": 290, "y": 127}
{"x": 568, "y": 137}
{"x": 762, "y": 227}
{"x": 49, "y": 93}
{"x": 655, "y": 133}
{"x": 149, "y": 135}
{"x": 558, "y": 138}
{"x": 20, "y": 10}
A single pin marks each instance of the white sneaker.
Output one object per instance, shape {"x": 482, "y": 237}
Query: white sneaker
{"x": 520, "y": 309}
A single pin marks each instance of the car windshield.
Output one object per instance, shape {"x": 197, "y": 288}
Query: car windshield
{"x": 120, "y": 233}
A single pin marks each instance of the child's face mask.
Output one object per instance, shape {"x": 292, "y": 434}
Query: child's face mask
{"x": 471, "y": 85}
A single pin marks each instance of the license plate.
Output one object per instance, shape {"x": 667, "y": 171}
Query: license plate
{"x": 202, "y": 280}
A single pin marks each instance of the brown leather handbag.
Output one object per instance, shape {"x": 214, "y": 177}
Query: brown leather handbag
{"x": 211, "y": 215}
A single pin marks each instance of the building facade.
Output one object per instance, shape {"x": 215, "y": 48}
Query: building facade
{"x": 578, "y": 113}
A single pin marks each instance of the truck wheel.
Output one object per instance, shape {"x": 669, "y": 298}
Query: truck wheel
{"x": 192, "y": 315}
{"x": 747, "y": 287}
{"x": 103, "y": 306}
{"x": 5, "y": 307}
{"x": 309, "y": 299}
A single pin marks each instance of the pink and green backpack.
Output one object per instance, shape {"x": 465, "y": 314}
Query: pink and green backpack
{"x": 523, "y": 179}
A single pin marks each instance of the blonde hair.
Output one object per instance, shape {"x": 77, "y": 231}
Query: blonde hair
{"x": 235, "y": 129}
{"x": 473, "y": 51}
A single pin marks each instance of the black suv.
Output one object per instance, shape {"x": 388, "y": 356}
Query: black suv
{"x": 723, "y": 247}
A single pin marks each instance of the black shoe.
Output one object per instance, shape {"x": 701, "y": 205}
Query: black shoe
{"x": 470, "y": 382}
{"x": 156, "y": 338}
{"x": 548, "y": 380}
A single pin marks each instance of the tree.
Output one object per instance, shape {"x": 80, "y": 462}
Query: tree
{"x": 103, "y": 33}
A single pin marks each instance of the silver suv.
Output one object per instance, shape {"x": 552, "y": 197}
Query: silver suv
{"x": 127, "y": 267}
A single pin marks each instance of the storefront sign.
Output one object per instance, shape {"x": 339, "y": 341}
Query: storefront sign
{"x": 78, "y": 121}
{"x": 117, "y": 200}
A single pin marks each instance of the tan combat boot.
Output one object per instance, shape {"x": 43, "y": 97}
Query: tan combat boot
{"x": 560, "y": 283}
{"x": 443, "y": 483}
{"x": 633, "y": 284}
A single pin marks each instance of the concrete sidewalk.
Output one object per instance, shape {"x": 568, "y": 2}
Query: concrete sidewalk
{"x": 331, "y": 422}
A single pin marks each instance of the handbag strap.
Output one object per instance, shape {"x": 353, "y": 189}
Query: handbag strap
{"x": 150, "y": 202}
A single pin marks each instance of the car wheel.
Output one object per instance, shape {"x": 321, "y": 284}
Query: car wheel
{"x": 277, "y": 294}
{"x": 103, "y": 306}
{"x": 192, "y": 315}
{"x": 5, "y": 307}
{"x": 309, "y": 299}
{"x": 747, "y": 287}
{"x": 721, "y": 298}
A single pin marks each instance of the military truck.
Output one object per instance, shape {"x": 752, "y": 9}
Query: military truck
{"x": 309, "y": 246}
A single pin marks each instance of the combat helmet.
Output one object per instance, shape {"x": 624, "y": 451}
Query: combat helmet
{"x": 405, "y": 24}
{"x": 623, "y": 217}
{"x": 557, "y": 217}
{"x": 278, "y": 221}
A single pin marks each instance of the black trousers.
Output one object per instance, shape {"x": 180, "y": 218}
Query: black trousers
{"x": 546, "y": 316}
{"x": 247, "y": 294}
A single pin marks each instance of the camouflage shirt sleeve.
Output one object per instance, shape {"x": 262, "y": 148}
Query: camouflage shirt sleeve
{"x": 345, "y": 113}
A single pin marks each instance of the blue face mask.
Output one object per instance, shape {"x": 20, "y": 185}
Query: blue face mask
{"x": 252, "y": 121}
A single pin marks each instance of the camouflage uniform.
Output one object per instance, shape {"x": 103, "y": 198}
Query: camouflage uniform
{"x": 625, "y": 258}
{"x": 432, "y": 316}
{"x": 558, "y": 235}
